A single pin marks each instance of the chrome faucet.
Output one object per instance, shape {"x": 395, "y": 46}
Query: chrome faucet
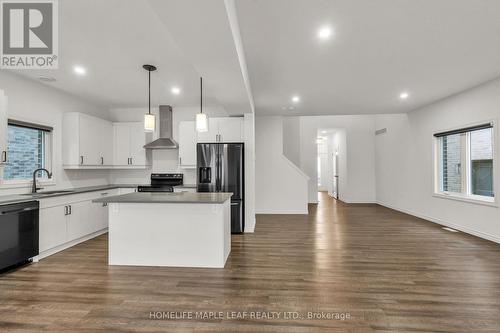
{"x": 34, "y": 188}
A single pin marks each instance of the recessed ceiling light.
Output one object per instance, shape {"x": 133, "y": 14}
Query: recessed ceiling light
{"x": 79, "y": 70}
{"x": 175, "y": 90}
{"x": 324, "y": 33}
{"x": 295, "y": 99}
{"x": 404, "y": 95}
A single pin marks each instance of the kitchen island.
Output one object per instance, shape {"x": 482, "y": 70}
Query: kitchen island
{"x": 169, "y": 229}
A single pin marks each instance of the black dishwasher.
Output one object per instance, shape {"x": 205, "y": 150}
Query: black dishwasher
{"x": 18, "y": 233}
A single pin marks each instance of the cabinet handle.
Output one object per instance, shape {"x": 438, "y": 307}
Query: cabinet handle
{"x": 128, "y": 161}
{"x": 69, "y": 210}
{"x": 4, "y": 156}
{"x": 180, "y": 160}
{"x": 102, "y": 160}
{"x": 65, "y": 210}
{"x": 81, "y": 160}
{"x": 131, "y": 161}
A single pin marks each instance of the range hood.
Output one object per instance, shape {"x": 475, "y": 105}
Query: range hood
{"x": 165, "y": 122}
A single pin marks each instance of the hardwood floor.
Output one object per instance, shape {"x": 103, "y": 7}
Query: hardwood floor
{"x": 388, "y": 271}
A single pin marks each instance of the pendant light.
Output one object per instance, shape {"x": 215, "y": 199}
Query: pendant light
{"x": 201, "y": 118}
{"x": 149, "y": 119}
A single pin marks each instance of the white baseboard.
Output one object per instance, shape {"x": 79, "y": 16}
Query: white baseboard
{"x": 466, "y": 230}
{"x": 67, "y": 245}
{"x": 250, "y": 227}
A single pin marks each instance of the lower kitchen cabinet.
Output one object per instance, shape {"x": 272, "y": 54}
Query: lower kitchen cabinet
{"x": 52, "y": 227}
{"x": 67, "y": 220}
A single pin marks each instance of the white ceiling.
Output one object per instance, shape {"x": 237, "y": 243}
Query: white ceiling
{"x": 112, "y": 39}
{"x": 431, "y": 49}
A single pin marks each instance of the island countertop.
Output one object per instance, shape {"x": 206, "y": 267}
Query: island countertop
{"x": 169, "y": 197}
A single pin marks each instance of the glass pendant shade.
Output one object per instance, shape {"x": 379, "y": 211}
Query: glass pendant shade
{"x": 149, "y": 122}
{"x": 201, "y": 122}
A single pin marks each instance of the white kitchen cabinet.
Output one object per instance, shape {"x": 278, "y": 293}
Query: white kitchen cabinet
{"x": 3, "y": 129}
{"x": 80, "y": 220}
{"x": 87, "y": 141}
{"x": 69, "y": 219}
{"x": 187, "y": 144}
{"x": 52, "y": 227}
{"x": 227, "y": 129}
{"x": 230, "y": 129}
{"x": 129, "y": 141}
{"x": 212, "y": 134}
{"x": 137, "y": 142}
{"x": 106, "y": 144}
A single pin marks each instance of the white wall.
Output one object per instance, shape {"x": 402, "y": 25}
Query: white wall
{"x": 37, "y": 103}
{"x": 358, "y": 153}
{"x": 280, "y": 187}
{"x": 249, "y": 130}
{"x": 405, "y": 166}
{"x": 291, "y": 139}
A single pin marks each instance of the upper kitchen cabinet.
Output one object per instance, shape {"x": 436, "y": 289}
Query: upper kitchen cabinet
{"x": 187, "y": 144}
{"x": 129, "y": 141}
{"x": 228, "y": 129}
{"x": 3, "y": 129}
{"x": 87, "y": 142}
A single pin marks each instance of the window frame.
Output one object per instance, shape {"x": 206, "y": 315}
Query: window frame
{"x": 49, "y": 156}
{"x": 465, "y": 197}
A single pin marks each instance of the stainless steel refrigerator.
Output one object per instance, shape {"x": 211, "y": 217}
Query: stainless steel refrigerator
{"x": 220, "y": 168}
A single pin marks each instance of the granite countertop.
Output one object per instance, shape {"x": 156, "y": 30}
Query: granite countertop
{"x": 15, "y": 198}
{"x": 181, "y": 197}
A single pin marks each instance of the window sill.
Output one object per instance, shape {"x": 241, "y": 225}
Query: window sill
{"x": 477, "y": 200}
{"x": 25, "y": 183}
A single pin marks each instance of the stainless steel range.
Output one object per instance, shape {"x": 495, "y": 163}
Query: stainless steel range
{"x": 162, "y": 182}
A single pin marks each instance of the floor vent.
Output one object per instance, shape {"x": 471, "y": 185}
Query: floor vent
{"x": 450, "y": 229}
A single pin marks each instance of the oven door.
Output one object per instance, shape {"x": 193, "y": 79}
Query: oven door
{"x": 18, "y": 233}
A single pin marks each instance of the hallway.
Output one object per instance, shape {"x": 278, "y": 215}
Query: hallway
{"x": 381, "y": 270}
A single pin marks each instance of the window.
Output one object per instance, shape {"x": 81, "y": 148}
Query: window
{"x": 29, "y": 148}
{"x": 465, "y": 163}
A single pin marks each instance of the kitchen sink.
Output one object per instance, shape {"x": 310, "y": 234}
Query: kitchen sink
{"x": 39, "y": 194}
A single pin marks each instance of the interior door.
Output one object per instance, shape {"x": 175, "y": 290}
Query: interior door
{"x": 207, "y": 167}
{"x": 335, "y": 187}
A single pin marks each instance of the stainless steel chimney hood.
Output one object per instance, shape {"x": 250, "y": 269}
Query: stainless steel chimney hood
{"x": 165, "y": 141}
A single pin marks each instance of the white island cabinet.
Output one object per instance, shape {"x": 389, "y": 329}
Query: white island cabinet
{"x": 169, "y": 229}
